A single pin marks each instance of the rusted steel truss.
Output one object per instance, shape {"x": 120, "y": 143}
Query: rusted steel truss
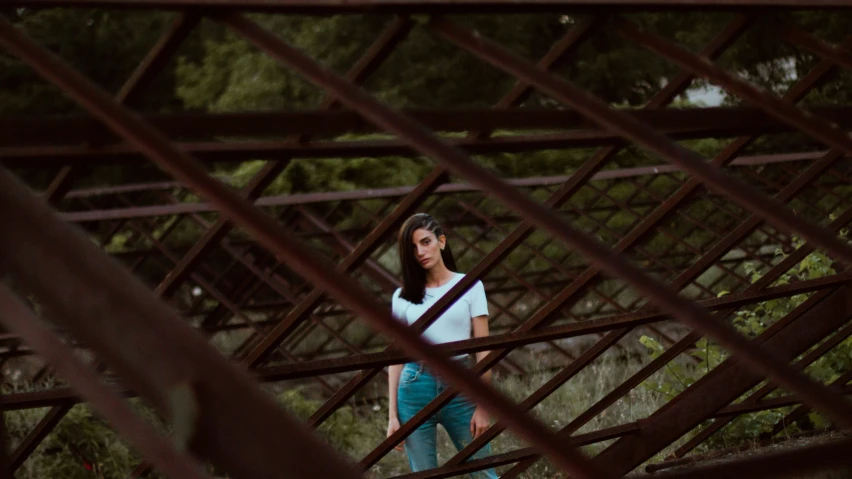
{"x": 574, "y": 265}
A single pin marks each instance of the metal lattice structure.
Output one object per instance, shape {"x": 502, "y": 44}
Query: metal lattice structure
{"x": 596, "y": 255}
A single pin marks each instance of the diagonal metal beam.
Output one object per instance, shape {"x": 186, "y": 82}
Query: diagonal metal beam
{"x": 100, "y": 303}
{"x": 772, "y": 465}
{"x": 132, "y": 89}
{"x": 797, "y": 36}
{"x": 759, "y": 395}
{"x": 20, "y": 319}
{"x": 381, "y": 276}
{"x": 725, "y": 383}
{"x": 270, "y": 235}
{"x": 368, "y": 63}
{"x": 139, "y": 80}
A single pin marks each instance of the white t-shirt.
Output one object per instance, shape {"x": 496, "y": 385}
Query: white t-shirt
{"x": 454, "y": 324}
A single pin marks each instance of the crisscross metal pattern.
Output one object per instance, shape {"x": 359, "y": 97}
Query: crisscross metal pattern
{"x": 574, "y": 265}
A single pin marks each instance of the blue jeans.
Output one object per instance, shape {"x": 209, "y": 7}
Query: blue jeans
{"x": 417, "y": 388}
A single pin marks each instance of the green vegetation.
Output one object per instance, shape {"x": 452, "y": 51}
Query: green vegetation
{"x": 678, "y": 375}
{"x": 83, "y": 437}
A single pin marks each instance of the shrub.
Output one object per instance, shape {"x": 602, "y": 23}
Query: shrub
{"x": 677, "y": 376}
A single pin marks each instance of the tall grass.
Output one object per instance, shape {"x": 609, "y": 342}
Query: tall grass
{"x": 356, "y": 432}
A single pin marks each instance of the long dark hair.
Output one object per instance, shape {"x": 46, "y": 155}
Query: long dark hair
{"x": 413, "y": 274}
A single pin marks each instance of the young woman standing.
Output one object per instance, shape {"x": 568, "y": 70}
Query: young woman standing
{"x": 428, "y": 272}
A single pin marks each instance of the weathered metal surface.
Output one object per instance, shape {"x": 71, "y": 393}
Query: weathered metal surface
{"x": 678, "y": 123}
{"x": 46, "y": 252}
{"x": 326, "y": 7}
{"x": 18, "y": 318}
{"x": 302, "y": 297}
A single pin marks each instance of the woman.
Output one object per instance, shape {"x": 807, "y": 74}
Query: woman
{"x": 428, "y": 272}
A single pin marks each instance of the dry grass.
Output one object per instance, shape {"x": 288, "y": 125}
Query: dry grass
{"x": 557, "y": 411}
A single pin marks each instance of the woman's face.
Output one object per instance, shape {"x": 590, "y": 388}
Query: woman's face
{"x": 427, "y": 248}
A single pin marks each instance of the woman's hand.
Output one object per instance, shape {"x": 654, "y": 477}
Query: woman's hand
{"x": 393, "y": 426}
{"x": 479, "y": 422}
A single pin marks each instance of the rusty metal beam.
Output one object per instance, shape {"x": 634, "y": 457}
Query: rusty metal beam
{"x": 52, "y": 418}
{"x": 100, "y": 303}
{"x": 307, "y": 198}
{"x": 758, "y": 396}
{"x": 569, "y": 43}
{"x": 51, "y": 156}
{"x": 726, "y": 383}
{"x": 129, "y": 93}
{"x": 18, "y": 318}
{"x": 705, "y": 122}
{"x": 331, "y": 7}
{"x": 812, "y": 458}
{"x": 782, "y": 109}
{"x": 381, "y": 276}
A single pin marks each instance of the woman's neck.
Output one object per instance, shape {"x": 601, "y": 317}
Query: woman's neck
{"x": 438, "y": 276}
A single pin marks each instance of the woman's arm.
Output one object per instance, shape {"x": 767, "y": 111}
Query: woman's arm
{"x": 480, "y": 422}
{"x": 394, "y": 372}
{"x": 480, "y": 330}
